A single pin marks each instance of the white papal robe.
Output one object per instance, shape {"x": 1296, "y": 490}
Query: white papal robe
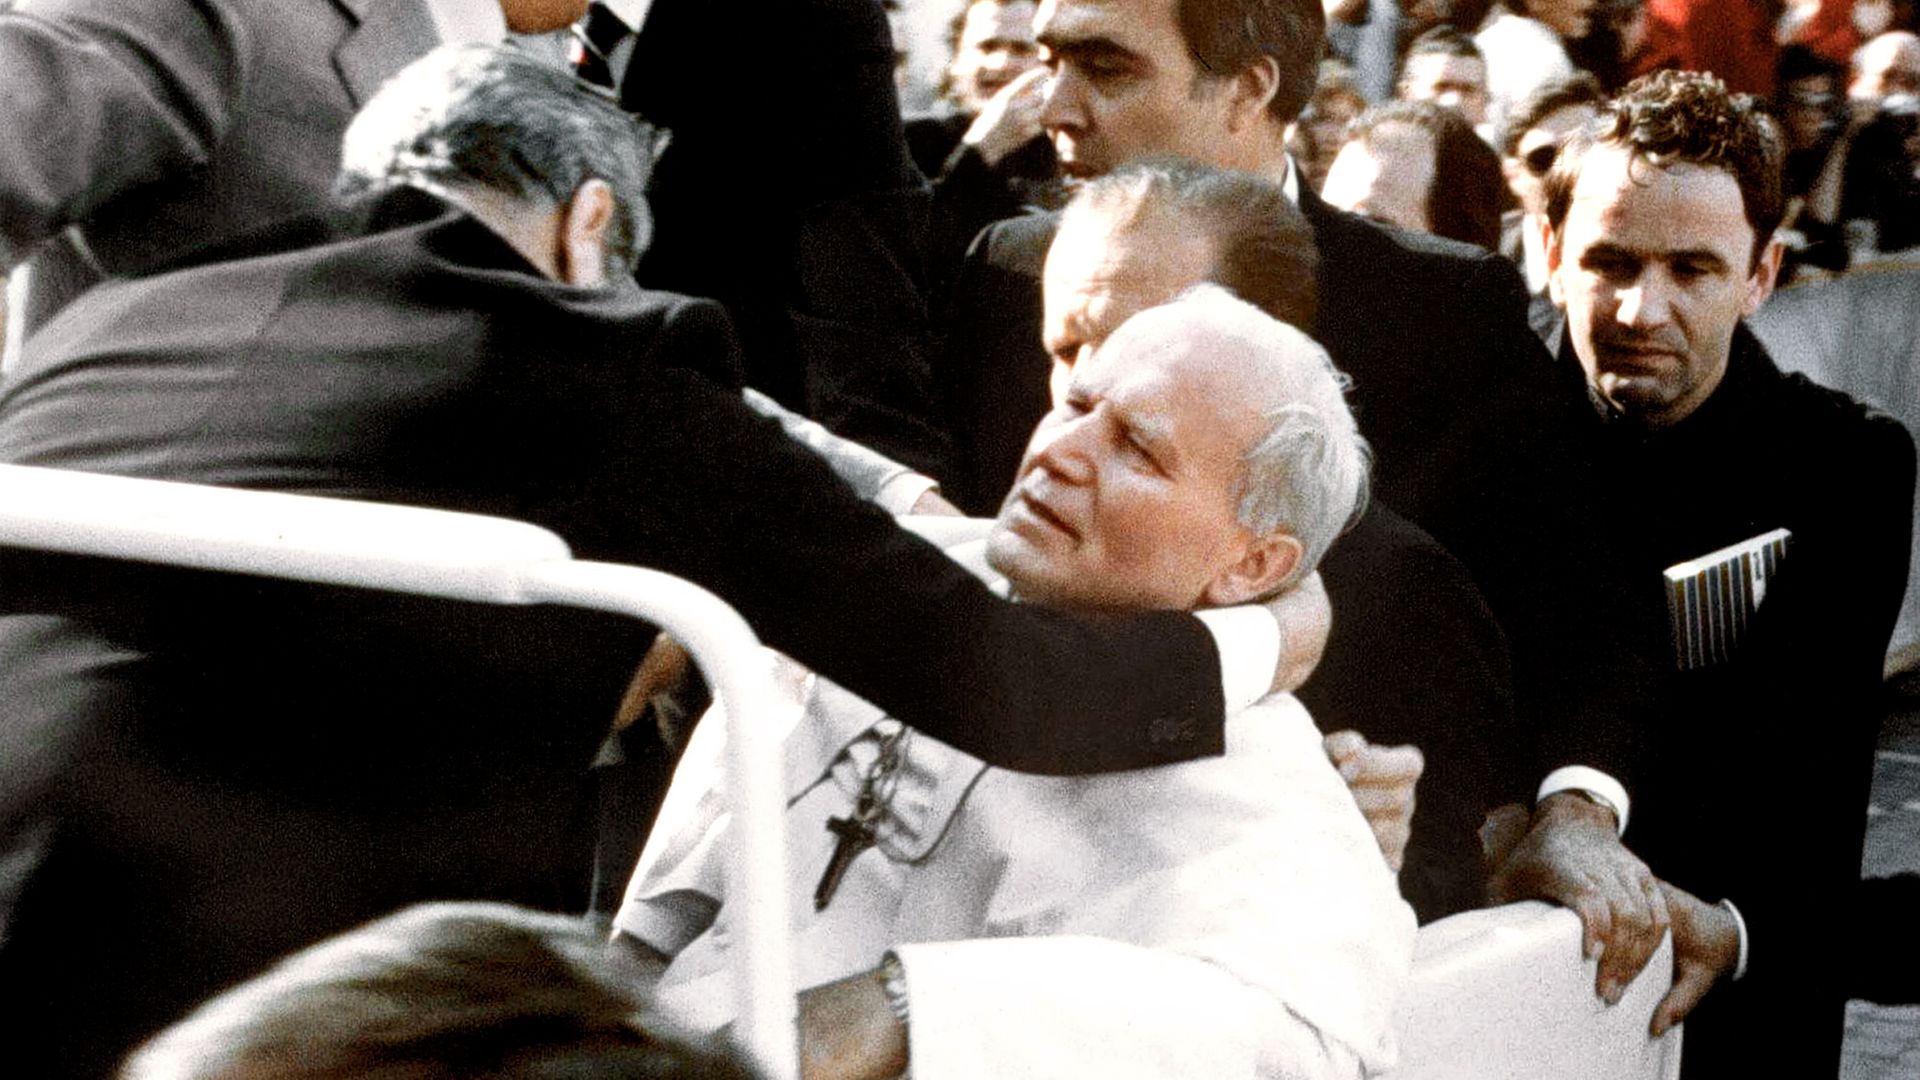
{"x": 1226, "y": 917}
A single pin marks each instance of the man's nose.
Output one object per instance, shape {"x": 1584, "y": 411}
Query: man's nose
{"x": 1063, "y": 450}
{"x": 1646, "y": 303}
{"x": 1062, "y": 108}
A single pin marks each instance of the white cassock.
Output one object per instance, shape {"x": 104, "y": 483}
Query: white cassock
{"x": 1226, "y": 917}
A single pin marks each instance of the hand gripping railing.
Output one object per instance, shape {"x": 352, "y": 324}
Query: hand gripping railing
{"x": 475, "y": 558}
{"x": 1504, "y": 994}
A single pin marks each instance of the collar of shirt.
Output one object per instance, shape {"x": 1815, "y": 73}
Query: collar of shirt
{"x": 467, "y": 22}
{"x": 1290, "y": 180}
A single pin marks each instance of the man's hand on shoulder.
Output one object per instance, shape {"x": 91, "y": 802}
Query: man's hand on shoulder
{"x": 1305, "y": 618}
{"x": 1573, "y": 856}
{"x": 1382, "y": 779}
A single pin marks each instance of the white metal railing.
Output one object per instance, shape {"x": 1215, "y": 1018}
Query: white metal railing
{"x": 1504, "y": 994}
{"x": 476, "y": 558}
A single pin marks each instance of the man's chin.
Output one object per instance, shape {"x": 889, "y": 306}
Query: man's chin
{"x": 1017, "y": 558}
{"x": 1635, "y": 397}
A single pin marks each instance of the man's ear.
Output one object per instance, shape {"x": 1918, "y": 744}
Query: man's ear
{"x": 1765, "y": 273}
{"x": 1251, "y": 92}
{"x": 584, "y": 223}
{"x": 1267, "y": 562}
{"x": 1551, "y": 245}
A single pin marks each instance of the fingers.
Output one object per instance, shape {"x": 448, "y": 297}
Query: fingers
{"x": 1361, "y": 762}
{"x": 1395, "y": 765}
{"x": 1341, "y": 746}
{"x": 1638, "y": 921}
{"x": 1691, "y": 981}
{"x": 1381, "y": 780}
{"x": 1596, "y": 922}
{"x": 1500, "y": 833}
{"x": 1392, "y": 837}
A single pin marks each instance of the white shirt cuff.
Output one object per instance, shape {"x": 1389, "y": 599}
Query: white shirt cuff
{"x": 900, "y": 492}
{"x": 1249, "y": 642}
{"x": 1740, "y": 923}
{"x": 1591, "y": 782}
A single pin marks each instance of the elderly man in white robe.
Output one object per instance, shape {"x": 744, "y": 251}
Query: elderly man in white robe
{"x": 1229, "y": 917}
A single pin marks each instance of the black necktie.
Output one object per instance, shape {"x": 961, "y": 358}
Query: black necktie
{"x": 594, "y": 39}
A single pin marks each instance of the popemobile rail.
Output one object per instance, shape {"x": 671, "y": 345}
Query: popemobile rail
{"x": 1495, "y": 994}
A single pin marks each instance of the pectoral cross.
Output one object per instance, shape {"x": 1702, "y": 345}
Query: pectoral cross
{"x": 855, "y": 836}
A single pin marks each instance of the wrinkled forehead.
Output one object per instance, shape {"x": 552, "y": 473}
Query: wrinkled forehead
{"x": 1183, "y": 385}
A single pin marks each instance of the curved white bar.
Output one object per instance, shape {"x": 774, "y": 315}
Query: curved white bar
{"x": 301, "y": 537}
{"x": 729, "y": 654}
{"x": 463, "y": 557}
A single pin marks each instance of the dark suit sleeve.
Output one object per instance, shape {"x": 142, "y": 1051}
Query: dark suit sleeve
{"x": 101, "y": 98}
{"x": 686, "y": 479}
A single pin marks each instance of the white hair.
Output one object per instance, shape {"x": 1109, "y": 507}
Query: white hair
{"x": 1307, "y": 475}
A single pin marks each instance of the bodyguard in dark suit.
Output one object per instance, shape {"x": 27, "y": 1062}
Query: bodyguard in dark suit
{"x": 1477, "y": 434}
{"x": 232, "y": 768}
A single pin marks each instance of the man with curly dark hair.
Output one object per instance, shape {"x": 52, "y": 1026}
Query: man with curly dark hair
{"x": 1750, "y": 792}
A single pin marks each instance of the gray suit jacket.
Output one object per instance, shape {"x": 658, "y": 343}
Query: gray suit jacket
{"x": 142, "y": 130}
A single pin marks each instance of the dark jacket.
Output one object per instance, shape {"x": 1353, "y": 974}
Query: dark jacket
{"x": 235, "y": 768}
{"x": 1752, "y": 786}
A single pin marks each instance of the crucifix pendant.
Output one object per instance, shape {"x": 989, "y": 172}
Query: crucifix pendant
{"x": 855, "y": 836}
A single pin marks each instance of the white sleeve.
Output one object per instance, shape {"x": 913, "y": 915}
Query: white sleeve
{"x": 1070, "y": 1007}
{"x": 872, "y": 475}
{"x": 1593, "y": 782}
{"x": 1249, "y": 642}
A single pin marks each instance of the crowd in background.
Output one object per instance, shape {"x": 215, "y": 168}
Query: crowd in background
{"x": 827, "y": 313}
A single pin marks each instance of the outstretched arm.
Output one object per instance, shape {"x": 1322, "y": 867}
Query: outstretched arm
{"x": 836, "y": 584}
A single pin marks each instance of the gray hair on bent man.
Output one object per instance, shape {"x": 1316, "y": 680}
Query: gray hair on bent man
{"x": 1307, "y": 475}
{"x": 494, "y": 117}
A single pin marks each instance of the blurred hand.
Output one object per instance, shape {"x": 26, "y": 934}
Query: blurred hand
{"x": 661, "y": 671}
{"x": 847, "y": 1031}
{"x": 1382, "y": 779}
{"x": 1011, "y": 118}
{"x": 1706, "y": 945}
{"x": 933, "y": 503}
{"x": 1305, "y": 618}
{"x": 1572, "y": 856}
{"x": 1501, "y": 832}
